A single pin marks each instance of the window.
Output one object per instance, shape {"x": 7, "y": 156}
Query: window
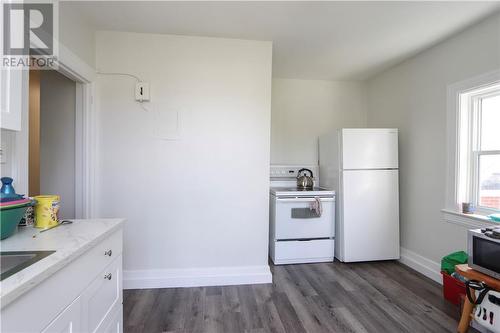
{"x": 478, "y": 180}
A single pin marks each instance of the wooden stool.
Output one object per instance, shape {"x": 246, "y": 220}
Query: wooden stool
{"x": 471, "y": 274}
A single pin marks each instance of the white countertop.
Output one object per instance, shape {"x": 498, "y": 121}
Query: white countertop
{"x": 68, "y": 240}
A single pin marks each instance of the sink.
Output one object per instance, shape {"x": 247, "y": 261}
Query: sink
{"x": 15, "y": 261}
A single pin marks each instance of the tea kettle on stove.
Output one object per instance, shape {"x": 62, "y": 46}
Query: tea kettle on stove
{"x": 304, "y": 181}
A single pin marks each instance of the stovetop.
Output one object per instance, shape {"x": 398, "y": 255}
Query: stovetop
{"x": 283, "y": 181}
{"x": 301, "y": 192}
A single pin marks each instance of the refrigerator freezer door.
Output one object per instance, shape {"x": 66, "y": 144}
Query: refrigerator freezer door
{"x": 370, "y": 215}
{"x": 369, "y": 148}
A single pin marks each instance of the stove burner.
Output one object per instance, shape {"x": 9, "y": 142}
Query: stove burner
{"x": 491, "y": 232}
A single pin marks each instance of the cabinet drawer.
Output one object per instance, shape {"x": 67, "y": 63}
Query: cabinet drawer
{"x": 108, "y": 250}
{"x": 289, "y": 252}
{"x": 103, "y": 297}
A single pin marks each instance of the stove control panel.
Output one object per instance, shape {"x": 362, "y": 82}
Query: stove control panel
{"x": 290, "y": 171}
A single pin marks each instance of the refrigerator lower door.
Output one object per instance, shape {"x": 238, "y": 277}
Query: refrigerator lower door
{"x": 370, "y": 215}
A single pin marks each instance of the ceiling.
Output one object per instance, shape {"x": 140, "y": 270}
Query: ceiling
{"x": 311, "y": 40}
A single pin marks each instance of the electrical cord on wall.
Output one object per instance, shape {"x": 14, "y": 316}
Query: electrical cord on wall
{"x": 138, "y": 79}
{"x": 155, "y": 114}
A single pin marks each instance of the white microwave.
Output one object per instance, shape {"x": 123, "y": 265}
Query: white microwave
{"x": 483, "y": 247}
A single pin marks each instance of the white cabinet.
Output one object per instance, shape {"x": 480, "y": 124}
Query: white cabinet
{"x": 69, "y": 321}
{"x": 84, "y": 296}
{"x": 13, "y": 86}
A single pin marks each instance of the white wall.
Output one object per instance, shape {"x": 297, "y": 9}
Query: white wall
{"x": 412, "y": 97}
{"x": 75, "y": 33}
{"x": 302, "y": 110}
{"x": 200, "y": 199}
{"x": 57, "y": 139}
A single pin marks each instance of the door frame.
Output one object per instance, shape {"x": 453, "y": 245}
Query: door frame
{"x": 74, "y": 68}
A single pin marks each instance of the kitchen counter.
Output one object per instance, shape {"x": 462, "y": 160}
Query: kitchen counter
{"x": 69, "y": 241}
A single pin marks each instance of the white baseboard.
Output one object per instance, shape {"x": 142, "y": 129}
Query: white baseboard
{"x": 196, "y": 277}
{"x": 425, "y": 266}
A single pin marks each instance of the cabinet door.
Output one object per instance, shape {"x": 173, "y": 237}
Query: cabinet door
{"x": 103, "y": 298}
{"x": 12, "y": 90}
{"x": 115, "y": 323}
{"x": 68, "y": 321}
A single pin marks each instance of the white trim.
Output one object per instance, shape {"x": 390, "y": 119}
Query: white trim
{"x": 469, "y": 221}
{"x": 74, "y": 67}
{"x": 196, "y": 277}
{"x": 77, "y": 70}
{"x": 425, "y": 266}
{"x": 79, "y": 151}
{"x": 452, "y": 125}
{"x": 89, "y": 128}
{"x": 91, "y": 152}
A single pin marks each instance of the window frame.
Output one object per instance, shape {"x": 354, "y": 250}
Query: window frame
{"x": 474, "y": 110}
{"x": 457, "y": 164}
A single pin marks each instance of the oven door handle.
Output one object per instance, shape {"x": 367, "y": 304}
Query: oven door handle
{"x": 304, "y": 199}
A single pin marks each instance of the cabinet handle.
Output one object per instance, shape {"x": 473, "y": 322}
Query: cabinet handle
{"x": 108, "y": 276}
{"x": 108, "y": 253}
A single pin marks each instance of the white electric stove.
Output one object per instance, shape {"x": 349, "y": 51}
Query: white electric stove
{"x": 302, "y": 222}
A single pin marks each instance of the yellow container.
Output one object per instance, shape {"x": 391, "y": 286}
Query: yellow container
{"x": 46, "y": 210}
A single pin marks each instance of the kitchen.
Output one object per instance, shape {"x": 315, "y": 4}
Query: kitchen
{"x": 187, "y": 167}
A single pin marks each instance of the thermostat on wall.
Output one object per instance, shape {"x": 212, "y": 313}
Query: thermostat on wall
{"x": 142, "y": 91}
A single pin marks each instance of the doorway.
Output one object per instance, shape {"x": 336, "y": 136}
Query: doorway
{"x": 53, "y": 138}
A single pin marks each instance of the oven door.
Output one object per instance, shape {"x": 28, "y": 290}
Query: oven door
{"x": 296, "y": 220}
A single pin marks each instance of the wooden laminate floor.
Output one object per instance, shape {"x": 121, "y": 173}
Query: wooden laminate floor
{"x": 327, "y": 297}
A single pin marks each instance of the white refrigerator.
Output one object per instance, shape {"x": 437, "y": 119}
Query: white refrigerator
{"x": 361, "y": 165}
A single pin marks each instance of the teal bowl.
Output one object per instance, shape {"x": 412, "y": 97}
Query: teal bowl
{"x": 494, "y": 217}
{"x": 10, "y": 218}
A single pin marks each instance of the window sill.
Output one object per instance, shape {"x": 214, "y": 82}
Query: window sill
{"x": 468, "y": 220}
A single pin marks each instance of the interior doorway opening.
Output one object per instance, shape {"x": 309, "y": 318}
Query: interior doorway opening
{"x": 54, "y": 145}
